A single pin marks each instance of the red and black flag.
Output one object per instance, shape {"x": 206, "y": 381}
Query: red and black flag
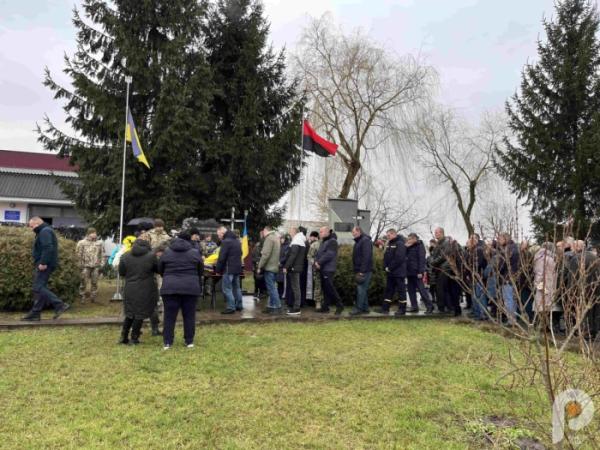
{"x": 312, "y": 142}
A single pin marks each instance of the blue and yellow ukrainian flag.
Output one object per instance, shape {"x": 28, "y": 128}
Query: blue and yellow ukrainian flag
{"x": 132, "y": 136}
{"x": 245, "y": 246}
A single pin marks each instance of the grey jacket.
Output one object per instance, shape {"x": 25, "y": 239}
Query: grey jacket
{"x": 269, "y": 255}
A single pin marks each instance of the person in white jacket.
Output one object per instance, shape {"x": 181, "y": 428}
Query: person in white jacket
{"x": 294, "y": 265}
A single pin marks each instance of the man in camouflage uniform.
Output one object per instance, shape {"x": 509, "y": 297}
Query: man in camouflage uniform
{"x": 158, "y": 239}
{"x": 157, "y": 235}
{"x": 207, "y": 246}
{"x": 89, "y": 257}
{"x": 315, "y": 243}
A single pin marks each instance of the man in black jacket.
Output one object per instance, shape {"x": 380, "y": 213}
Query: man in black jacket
{"x": 442, "y": 270}
{"x": 362, "y": 262}
{"x": 294, "y": 266}
{"x": 230, "y": 265}
{"x": 326, "y": 264}
{"x": 416, "y": 267}
{"x": 45, "y": 258}
{"x": 394, "y": 261}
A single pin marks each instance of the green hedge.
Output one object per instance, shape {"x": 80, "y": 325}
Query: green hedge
{"x": 345, "y": 282}
{"x": 16, "y": 269}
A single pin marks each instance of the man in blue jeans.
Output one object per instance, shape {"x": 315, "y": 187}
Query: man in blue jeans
{"x": 45, "y": 258}
{"x": 229, "y": 265}
{"x": 509, "y": 259}
{"x": 269, "y": 267}
{"x": 362, "y": 262}
{"x": 476, "y": 264}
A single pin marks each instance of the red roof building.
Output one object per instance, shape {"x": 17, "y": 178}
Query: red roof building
{"x": 30, "y": 186}
{"x": 34, "y": 161}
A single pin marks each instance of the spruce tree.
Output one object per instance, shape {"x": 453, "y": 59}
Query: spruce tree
{"x": 160, "y": 40}
{"x": 551, "y": 160}
{"x": 253, "y": 157}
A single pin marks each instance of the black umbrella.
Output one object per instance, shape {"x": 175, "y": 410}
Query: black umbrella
{"x": 140, "y": 220}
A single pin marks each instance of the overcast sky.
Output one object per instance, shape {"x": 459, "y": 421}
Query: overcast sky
{"x": 478, "y": 47}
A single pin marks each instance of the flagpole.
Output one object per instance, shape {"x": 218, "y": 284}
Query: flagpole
{"x": 298, "y": 203}
{"x": 128, "y": 80}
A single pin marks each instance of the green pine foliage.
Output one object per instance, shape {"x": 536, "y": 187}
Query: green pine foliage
{"x": 551, "y": 159}
{"x": 253, "y": 156}
{"x": 213, "y": 110}
{"x": 16, "y": 269}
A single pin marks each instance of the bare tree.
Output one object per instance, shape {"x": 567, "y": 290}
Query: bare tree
{"x": 356, "y": 90}
{"x": 458, "y": 154}
{"x": 387, "y": 211}
{"x": 554, "y": 313}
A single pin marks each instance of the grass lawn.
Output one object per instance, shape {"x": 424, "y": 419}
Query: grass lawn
{"x": 351, "y": 384}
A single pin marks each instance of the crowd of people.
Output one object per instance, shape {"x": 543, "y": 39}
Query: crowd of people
{"x": 165, "y": 274}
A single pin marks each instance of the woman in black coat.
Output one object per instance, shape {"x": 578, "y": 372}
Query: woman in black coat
{"x": 181, "y": 267}
{"x": 138, "y": 267}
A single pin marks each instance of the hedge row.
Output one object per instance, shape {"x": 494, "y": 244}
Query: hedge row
{"x": 345, "y": 282}
{"x": 16, "y": 269}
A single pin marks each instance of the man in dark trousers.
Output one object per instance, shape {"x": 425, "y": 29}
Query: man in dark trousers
{"x": 362, "y": 262}
{"x": 416, "y": 268}
{"x": 394, "y": 262}
{"x": 326, "y": 263}
{"x": 294, "y": 266}
{"x": 45, "y": 258}
{"x": 230, "y": 265}
{"x": 443, "y": 271}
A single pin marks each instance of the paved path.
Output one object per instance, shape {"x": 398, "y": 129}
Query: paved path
{"x": 251, "y": 314}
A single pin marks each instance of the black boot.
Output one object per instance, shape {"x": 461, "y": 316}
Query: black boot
{"x": 136, "y": 327}
{"x": 125, "y": 331}
{"x": 385, "y": 307}
{"x": 401, "y": 308}
{"x": 154, "y": 321}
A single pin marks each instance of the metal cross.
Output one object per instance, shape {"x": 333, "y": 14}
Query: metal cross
{"x": 233, "y": 220}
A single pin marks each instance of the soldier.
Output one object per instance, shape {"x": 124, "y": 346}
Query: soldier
{"x": 158, "y": 239}
{"x": 89, "y": 257}
{"x": 207, "y": 246}
{"x": 158, "y": 235}
{"x": 316, "y": 280}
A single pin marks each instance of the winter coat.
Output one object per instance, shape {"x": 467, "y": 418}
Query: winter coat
{"x": 415, "y": 259}
{"x": 508, "y": 266}
{"x": 394, "y": 257}
{"x": 544, "y": 279}
{"x": 490, "y": 273}
{"x": 327, "y": 254}
{"x": 476, "y": 261}
{"x": 181, "y": 267}
{"x": 269, "y": 254}
{"x": 230, "y": 255}
{"x": 297, "y": 254}
{"x": 45, "y": 246}
{"x": 362, "y": 254}
{"x": 439, "y": 256}
{"x": 431, "y": 274}
{"x": 138, "y": 267}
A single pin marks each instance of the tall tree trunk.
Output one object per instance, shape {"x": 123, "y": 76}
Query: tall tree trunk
{"x": 353, "y": 169}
